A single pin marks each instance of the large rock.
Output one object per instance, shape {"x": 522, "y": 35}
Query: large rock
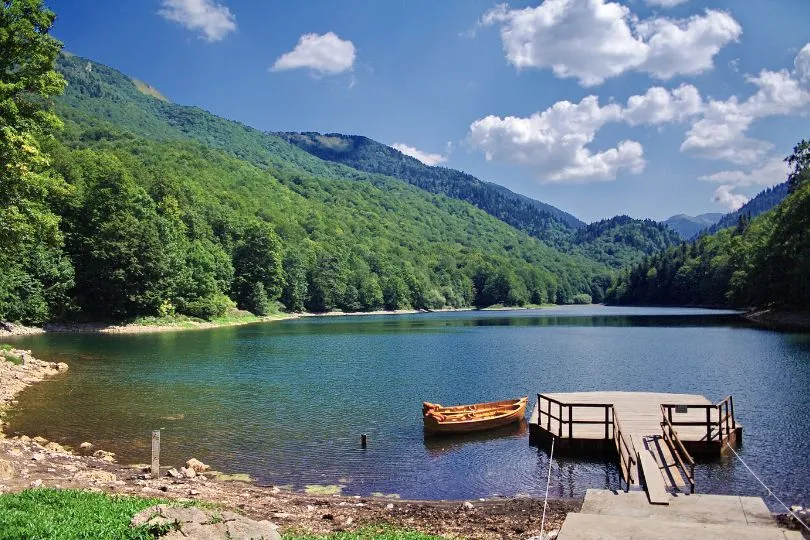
{"x": 204, "y": 524}
{"x": 94, "y": 476}
{"x": 198, "y": 466}
{"x": 7, "y": 470}
{"x": 55, "y": 447}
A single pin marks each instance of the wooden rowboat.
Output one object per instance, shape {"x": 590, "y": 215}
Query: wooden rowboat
{"x": 476, "y": 417}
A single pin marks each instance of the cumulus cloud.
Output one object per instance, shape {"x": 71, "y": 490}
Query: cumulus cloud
{"x": 553, "y": 142}
{"x": 773, "y": 172}
{"x": 425, "y": 157}
{"x": 721, "y": 131}
{"x": 659, "y": 105}
{"x": 325, "y": 54}
{"x": 732, "y": 201}
{"x": 593, "y": 40}
{"x": 214, "y": 20}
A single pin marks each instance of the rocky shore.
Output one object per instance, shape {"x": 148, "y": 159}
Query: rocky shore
{"x": 35, "y": 462}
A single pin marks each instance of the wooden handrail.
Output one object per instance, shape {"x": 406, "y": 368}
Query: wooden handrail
{"x": 685, "y": 460}
{"x": 627, "y": 459}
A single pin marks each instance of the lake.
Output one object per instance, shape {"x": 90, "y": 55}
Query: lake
{"x": 286, "y": 402}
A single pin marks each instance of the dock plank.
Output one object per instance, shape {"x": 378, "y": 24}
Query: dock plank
{"x": 653, "y": 480}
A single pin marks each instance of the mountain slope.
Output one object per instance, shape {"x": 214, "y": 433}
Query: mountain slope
{"x": 169, "y": 206}
{"x": 533, "y": 217}
{"x": 602, "y": 241}
{"x": 689, "y": 226}
{"x": 764, "y": 201}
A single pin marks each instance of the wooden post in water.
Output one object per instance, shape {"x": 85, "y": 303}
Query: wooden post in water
{"x": 363, "y": 440}
{"x": 155, "y": 453}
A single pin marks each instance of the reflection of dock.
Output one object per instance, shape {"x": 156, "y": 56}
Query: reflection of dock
{"x": 654, "y": 435}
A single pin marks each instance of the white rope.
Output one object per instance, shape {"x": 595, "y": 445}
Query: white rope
{"x": 769, "y": 490}
{"x": 548, "y": 481}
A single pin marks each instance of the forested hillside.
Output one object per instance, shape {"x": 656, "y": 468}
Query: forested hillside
{"x": 760, "y": 262}
{"x": 133, "y": 206}
{"x": 764, "y": 201}
{"x": 615, "y": 242}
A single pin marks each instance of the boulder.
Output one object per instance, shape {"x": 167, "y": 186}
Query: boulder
{"x": 188, "y": 472}
{"x": 94, "y": 476}
{"x": 104, "y": 456}
{"x": 55, "y": 447}
{"x": 40, "y": 440}
{"x": 203, "y": 524}
{"x": 7, "y": 470}
{"x": 173, "y": 473}
{"x": 86, "y": 446}
{"x": 197, "y": 466}
{"x": 62, "y": 367}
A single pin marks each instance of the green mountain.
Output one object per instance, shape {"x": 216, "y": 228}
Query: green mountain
{"x": 170, "y": 209}
{"x": 761, "y": 203}
{"x": 616, "y": 242}
{"x": 688, "y": 227}
{"x": 759, "y": 262}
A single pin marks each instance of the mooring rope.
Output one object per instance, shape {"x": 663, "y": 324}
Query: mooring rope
{"x": 548, "y": 481}
{"x": 769, "y": 490}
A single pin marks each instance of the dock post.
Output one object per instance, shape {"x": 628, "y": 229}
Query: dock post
{"x": 363, "y": 440}
{"x": 155, "y": 453}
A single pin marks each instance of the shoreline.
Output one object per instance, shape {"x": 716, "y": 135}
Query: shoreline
{"x": 12, "y": 330}
{"x": 27, "y": 463}
{"x": 791, "y": 321}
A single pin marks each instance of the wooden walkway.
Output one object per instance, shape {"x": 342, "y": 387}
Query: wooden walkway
{"x": 653, "y": 434}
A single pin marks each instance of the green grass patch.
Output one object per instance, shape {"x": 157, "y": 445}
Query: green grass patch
{"x": 67, "y": 514}
{"x": 382, "y": 532}
{"x": 5, "y": 347}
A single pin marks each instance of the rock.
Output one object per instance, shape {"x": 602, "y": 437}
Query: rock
{"x": 173, "y": 473}
{"x": 349, "y": 521}
{"x": 55, "y": 447}
{"x": 62, "y": 367}
{"x": 389, "y": 506}
{"x": 38, "y": 457}
{"x": 329, "y": 517}
{"x": 86, "y": 446}
{"x": 7, "y": 471}
{"x": 193, "y": 492}
{"x": 188, "y": 473}
{"x": 15, "y": 452}
{"x": 197, "y": 466}
{"x": 204, "y": 524}
{"x": 40, "y": 440}
{"x": 25, "y": 438}
{"x": 36, "y": 483}
{"x": 94, "y": 475}
{"x": 468, "y": 506}
{"x": 244, "y": 529}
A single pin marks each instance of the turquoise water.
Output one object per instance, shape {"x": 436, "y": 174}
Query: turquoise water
{"x": 286, "y": 402}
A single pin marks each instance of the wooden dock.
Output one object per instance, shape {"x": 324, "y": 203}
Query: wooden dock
{"x": 654, "y": 435}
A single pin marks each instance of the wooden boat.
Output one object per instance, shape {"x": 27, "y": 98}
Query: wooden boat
{"x": 475, "y": 417}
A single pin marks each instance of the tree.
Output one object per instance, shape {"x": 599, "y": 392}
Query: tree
{"x": 799, "y": 161}
{"x": 258, "y": 260}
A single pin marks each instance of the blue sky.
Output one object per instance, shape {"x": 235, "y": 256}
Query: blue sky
{"x": 641, "y": 107}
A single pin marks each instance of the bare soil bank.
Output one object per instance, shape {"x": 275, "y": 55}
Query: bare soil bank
{"x": 26, "y": 463}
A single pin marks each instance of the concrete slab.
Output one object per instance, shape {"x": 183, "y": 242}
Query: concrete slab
{"x": 698, "y": 508}
{"x": 606, "y": 527}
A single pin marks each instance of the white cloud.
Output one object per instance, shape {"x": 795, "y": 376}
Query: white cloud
{"x": 665, "y": 3}
{"x": 773, "y": 172}
{"x": 593, "y": 40}
{"x": 687, "y": 46}
{"x": 659, "y": 105}
{"x": 325, "y": 54}
{"x": 721, "y": 131}
{"x": 732, "y": 201}
{"x": 214, "y": 20}
{"x": 425, "y": 157}
{"x": 553, "y": 142}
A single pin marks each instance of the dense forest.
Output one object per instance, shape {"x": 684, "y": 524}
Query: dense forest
{"x": 764, "y": 201}
{"x": 117, "y": 204}
{"x": 760, "y": 262}
{"x": 616, "y": 242}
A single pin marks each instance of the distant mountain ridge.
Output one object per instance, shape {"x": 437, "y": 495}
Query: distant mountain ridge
{"x": 688, "y": 226}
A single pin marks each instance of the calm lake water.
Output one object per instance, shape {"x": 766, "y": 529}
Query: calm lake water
{"x": 286, "y": 402}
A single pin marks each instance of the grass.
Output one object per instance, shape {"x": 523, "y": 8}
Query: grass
{"x": 13, "y": 358}
{"x": 67, "y": 514}
{"x": 382, "y": 532}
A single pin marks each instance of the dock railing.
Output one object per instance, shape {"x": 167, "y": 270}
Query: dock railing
{"x": 564, "y": 424}
{"x": 716, "y": 430}
{"x": 682, "y": 456}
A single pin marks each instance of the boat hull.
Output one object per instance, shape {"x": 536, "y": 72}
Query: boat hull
{"x": 469, "y": 418}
